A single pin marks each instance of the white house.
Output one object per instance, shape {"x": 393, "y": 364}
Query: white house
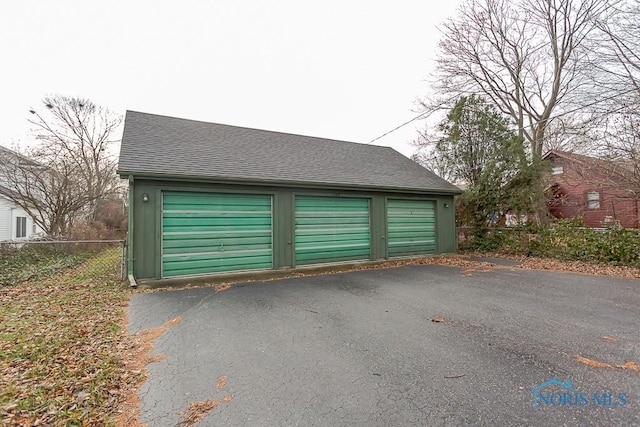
{"x": 15, "y": 223}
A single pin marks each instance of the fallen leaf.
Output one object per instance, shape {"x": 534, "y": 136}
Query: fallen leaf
{"x": 222, "y": 287}
{"x": 196, "y": 412}
{"x": 630, "y": 365}
{"x": 595, "y": 364}
{"x": 221, "y": 383}
{"x": 173, "y": 322}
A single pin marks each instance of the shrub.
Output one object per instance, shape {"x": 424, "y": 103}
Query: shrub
{"x": 568, "y": 240}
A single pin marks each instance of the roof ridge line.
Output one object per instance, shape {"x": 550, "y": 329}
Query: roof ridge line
{"x": 259, "y": 129}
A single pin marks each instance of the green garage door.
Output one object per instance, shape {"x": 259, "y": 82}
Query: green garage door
{"x": 411, "y": 227}
{"x": 331, "y": 229}
{"x": 209, "y": 232}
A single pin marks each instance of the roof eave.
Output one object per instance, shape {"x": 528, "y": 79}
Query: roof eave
{"x": 280, "y": 183}
{"x": 591, "y": 161}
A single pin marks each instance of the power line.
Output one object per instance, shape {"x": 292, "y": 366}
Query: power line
{"x": 564, "y": 113}
{"x": 398, "y": 127}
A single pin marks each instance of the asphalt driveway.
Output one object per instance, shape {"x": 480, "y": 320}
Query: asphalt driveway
{"x": 361, "y": 348}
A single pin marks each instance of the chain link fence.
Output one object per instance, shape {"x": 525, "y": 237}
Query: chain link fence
{"x": 95, "y": 260}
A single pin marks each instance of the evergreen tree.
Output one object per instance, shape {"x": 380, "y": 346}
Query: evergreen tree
{"x": 479, "y": 149}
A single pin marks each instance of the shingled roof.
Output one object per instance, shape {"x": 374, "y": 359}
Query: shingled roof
{"x": 624, "y": 168}
{"x": 161, "y": 146}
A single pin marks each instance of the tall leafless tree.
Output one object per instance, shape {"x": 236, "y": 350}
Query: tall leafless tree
{"x": 618, "y": 56}
{"x": 526, "y": 56}
{"x": 72, "y": 167}
{"x": 619, "y": 66}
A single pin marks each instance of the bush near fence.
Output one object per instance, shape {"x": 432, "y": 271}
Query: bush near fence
{"x": 567, "y": 240}
{"x": 27, "y": 260}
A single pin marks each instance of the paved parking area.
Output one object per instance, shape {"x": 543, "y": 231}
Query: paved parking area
{"x": 361, "y": 348}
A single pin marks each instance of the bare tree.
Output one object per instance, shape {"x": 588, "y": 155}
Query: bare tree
{"x": 618, "y": 66}
{"x": 622, "y": 136}
{"x": 427, "y": 156}
{"x": 71, "y": 169}
{"x": 526, "y": 56}
{"x": 617, "y": 59}
{"x": 572, "y": 134}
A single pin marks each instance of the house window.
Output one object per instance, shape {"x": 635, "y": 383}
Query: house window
{"x": 21, "y": 226}
{"x": 557, "y": 170}
{"x": 34, "y": 230}
{"x": 593, "y": 200}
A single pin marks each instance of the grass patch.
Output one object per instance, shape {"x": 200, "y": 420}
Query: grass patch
{"x": 32, "y": 262}
{"x": 59, "y": 346}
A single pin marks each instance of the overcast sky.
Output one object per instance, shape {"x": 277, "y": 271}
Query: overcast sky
{"x": 348, "y": 70}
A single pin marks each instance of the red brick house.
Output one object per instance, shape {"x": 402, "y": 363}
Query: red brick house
{"x": 592, "y": 188}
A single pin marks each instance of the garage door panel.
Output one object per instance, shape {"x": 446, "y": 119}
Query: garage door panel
{"x": 417, "y": 230}
{"x": 412, "y": 248}
{"x": 215, "y": 232}
{"x": 197, "y": 241}
{"x": 198, "y": 249}
{"x": 219, "y": 226}
{"x": 413, "y": 221}
{"x": 213, "y": 216}
{"x": 417, "y": 235}
{"x": 196, "y": 201}
{"x": 221, "y": 255}
{"x": 324, "y": 203}
{"x": 217, "y": 265}
{"x": 331, "y": 229}
{"x": 410, "y": 227}
{"x": 344, "y": 245}
{"x": 339, "y": 221}
{"x": 217, "y": 246}
{"x": 346, "y": 237}
{"x": 218, "y": 234}
{"x": 213, "y": 221}
{"x": 412, "y": 204}
{"x": 222, "y": 213}
{"x": 215, "y": 262}
{"x": 333, "y": 255}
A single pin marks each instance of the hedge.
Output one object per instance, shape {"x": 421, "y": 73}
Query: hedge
{"x": 567, "y": 240}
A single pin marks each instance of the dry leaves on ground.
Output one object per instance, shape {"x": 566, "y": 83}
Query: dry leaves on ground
{"x": 136, "y": 361}
{"x": 61, "y": 341}
{"x": 595, "y": 364}
{"x": 534, "y": 263}
{"x": 198, "y": 410}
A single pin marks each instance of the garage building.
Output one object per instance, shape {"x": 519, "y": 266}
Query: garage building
{"x": 207, "y": 198}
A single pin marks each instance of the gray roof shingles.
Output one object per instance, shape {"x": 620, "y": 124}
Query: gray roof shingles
{"x": 155, "y": 145}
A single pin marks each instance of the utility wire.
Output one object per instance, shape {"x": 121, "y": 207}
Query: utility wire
{"x": 398, "y": 127}
{"x": 518, "y": 129}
